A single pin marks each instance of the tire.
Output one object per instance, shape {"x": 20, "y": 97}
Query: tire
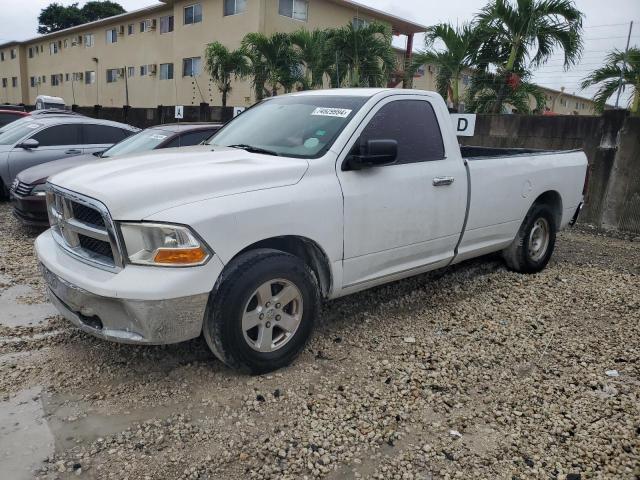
{"x": 533, "y": 246}
{"x": 281, "y": 330}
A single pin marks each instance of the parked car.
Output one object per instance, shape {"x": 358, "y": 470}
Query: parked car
{"x": 44, "y": 102}
{"x": 8, "y": 116}
{"x": 52, "y": 137}
{"x": 28, "y": 193}
{"x": 305, "y": 196}
{"x": 13, "y": 107}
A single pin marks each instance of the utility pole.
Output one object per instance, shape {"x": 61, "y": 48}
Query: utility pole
{"x": 624, "y": 64}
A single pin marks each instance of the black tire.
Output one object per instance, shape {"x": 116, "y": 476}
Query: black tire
{"x": 518, "y": 255}
{"x": 4, "y": 193}
{"x": 223, "y": 319}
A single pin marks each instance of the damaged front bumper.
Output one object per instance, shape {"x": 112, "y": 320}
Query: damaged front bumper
{"x": 141, "y": 305}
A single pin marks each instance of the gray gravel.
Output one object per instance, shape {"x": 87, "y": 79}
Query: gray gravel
{"x": 471, "y": 372}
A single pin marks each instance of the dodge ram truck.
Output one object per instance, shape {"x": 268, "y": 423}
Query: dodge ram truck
{"x": 303, "y": 197}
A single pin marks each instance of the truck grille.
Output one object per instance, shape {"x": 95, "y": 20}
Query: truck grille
{"x": 83, "y": 227}
{"x": 22, "y": 189}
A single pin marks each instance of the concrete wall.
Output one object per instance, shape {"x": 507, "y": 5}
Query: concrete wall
{"x": 611, "y": 143}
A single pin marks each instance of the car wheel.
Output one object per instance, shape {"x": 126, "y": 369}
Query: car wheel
{"x": 263, "y": 312}
{"x": 533, "y": 246}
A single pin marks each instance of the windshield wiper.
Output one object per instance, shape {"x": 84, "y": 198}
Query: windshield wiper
{"x": 252, "y": 149}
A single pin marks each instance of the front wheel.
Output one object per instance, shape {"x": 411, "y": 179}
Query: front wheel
{"x": 263, "y": 313}
{"x": 533, "y": 246}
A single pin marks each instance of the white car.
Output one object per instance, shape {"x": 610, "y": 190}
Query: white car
{"x": 306, "y": 196}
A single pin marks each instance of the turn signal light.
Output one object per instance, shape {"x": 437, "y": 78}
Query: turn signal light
{"x": 180, "y": 256}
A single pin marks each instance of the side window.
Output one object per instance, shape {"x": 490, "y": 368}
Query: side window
{"x": 59, "y": 135}
{"x": 413, "y": 124}
{"x": 103, "y": 134}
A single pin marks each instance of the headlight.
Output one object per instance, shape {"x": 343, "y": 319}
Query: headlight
{"x": 39, "y": 190}
{"x": 163, "y": 245}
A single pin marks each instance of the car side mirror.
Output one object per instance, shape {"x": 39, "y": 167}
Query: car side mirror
{"x": 372, "y": 153}
{"x": 29, "y": 143}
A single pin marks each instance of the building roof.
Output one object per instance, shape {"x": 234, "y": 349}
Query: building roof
{"x": 96, "y": 23}
{"x": 399, "y": 25}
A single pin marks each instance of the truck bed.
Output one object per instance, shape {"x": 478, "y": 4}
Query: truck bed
{"x": 477, "y": 153}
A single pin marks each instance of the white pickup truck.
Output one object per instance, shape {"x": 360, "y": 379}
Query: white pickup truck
{"x": 303, "y": 197}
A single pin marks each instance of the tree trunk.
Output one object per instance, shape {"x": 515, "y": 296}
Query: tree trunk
{"x": 502, "y": 90}
{"x": 224, "y": 97}
{"x": 456, "y": 93}
{"x": 635, "y": 105}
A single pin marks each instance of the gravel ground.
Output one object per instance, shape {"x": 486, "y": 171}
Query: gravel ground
{"x": 471, "y": 372}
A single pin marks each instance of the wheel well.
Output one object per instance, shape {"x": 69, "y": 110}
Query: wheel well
{"x": 553, "y": 200}
{"x": 305, "y": 249}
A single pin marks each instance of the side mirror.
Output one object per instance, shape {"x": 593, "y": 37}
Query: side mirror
{"x": 372, "y": 153}
{"x": 29, "y": 144}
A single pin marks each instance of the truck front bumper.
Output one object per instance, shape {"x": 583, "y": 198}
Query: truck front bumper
{"x": 142, "y": 305}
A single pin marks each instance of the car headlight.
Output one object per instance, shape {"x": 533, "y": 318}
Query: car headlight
{"x": 39, "y": 190}
{"x": 163, "y": 245}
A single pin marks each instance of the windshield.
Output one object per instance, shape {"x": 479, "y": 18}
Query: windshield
{"x": 16, "y": 123}
{"x": 12, "y": 135}
{"x": 140, "y": 142}
{"x": 303, "y": 126}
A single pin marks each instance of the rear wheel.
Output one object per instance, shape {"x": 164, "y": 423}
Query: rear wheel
{"x": 263, "y": 313}
{"x": 533, "y": 246}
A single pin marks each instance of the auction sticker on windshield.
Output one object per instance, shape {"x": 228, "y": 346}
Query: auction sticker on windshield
{"x": 331, "y": 112}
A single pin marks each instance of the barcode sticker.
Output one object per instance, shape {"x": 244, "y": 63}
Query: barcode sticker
{"x": 331, "y": 112}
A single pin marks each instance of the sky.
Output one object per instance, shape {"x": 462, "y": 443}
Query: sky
{"x": 606, "y": 26}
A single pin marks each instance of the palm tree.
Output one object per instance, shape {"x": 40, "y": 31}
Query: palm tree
{"x": 486, "y": 88}
{"x": 365, "y": 57}
{"x": 459, "y": 48}
{"x": 312, "y": 49}
{"x": 223, "y": 64}
{"x": 617, "y": 64}
{"x": 273, "y": 61}
{"x": 519, "y": 36}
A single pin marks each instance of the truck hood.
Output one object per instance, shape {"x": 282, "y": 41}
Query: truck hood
{"x": 39, "y": 174}
{"x": 137, "y": 186}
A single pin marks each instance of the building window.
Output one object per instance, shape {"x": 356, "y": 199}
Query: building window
{"x": 131, "y": 71}
{"x": 144, "y": 70}
{"x": 66, "y": 43}
{"x": 112, "y": 36}
{"x": 89, "y": 40}
{"x": 296, "y": 9}
{"x": 1, "y": 56}
{"x": 193, "y": 14}
{"x": 112, "y": 75}
{"x": 234, "y": 7}
{"x": 166, "y": 24}
{"x": 55, "y": 80}
{"x": 13, "y": 53}
{"x": 14, "y": 82}
{"x": 77, "y": 76}
{"x": 30, "y": 52}
{"x": 89, "y": 77}
{"x": 191, "y": 67}
{"x": 4, "y": 83}
{"x": 358, "y": 22}
{"x": 130, "y": 29}
{"x": 33, "y": 81}
{"x": 53, "y": 48}
{"x": 166, "y": 71}
{"x": 44, "y": 79}
{"x": 143, "y": 26}
{"x": 66, "y": 77}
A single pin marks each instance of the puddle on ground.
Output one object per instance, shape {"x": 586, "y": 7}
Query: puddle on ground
{"x": 25, "y": 438}
{"x": 16, "y": 314}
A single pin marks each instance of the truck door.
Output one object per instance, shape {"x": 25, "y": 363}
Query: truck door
{"x": 405, "y": 217}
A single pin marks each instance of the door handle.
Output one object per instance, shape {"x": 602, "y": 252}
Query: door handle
{"x": 73, "y": 152}
{"x": 442, "y": 181}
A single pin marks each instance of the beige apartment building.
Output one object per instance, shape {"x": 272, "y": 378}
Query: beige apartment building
{"x": 154, "y": 56}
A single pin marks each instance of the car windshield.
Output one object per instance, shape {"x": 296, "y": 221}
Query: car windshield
{"x": 12, "y": 135}
{"x": 140, "y": 142}
{"x": 302, "y": 126}
{"x": 16, "y": 123}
